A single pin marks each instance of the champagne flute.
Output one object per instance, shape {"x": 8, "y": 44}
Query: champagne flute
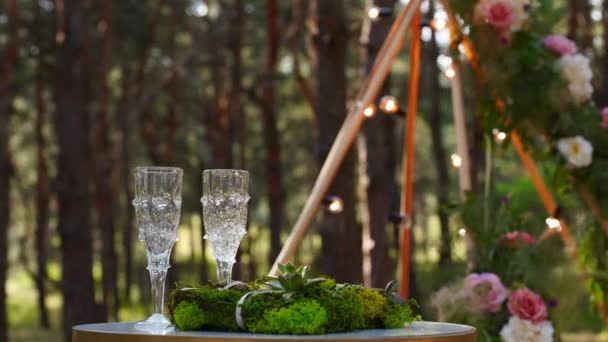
{"x": 225, "y": 199}
{"x": 158, "y": 199}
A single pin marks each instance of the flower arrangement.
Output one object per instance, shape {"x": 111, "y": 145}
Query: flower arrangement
{"x": 539, "y": 83}
{"x": 483, "y": 301}
{"x": 293, "y": 303}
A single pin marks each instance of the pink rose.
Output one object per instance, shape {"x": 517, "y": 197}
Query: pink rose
{"x": 516, "y": 240}
{"x": 604, "y": 115}
{"x": 500, "y": 14}
{"x": 486, "y": 291}
{"x": 527, "y": 305}
{"x": 560, "y": 44}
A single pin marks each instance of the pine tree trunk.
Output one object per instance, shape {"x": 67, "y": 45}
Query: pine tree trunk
{"x": 271, "y": 134}
{"x": 379, "y": 133}
{"x": 124, "y": 128}
{"x": 7, "y": 93}
{"x": 103, "y": 170}
{"x": 341, "y": 236}
{"x": 42, "y": 196}
{"x": 439, "y": 153}
{"x": 72, "y": 131}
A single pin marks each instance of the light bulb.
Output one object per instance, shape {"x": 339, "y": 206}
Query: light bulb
{"x": 438, "y": 24}
{"x": 335, "y": 205}
{"x": 462, "y": 232}
{"x": 450, "y": 73}
{"x": 369, "y": 111}
{"x": 373, "y": 12}
{"x": 389, "y": 104}
{"x": 456, "y": 160}
{"x": 553, "y": 223}
{"x": 499, "y": 136}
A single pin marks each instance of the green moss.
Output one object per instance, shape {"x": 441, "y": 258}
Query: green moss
{"x": 189, "y": 316}
{"x": 321, "y": 307}
{"x": 218, "y": 304}
{"x": 397, "y": 315}
{"x": 303, "y": 317}
{"x": 373, "y": 307}
{"x": 345, "y": 309}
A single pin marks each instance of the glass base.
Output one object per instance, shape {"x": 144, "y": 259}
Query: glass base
{"x": 157, "y": 324}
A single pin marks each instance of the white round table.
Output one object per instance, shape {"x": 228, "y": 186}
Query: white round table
{"x": 419, "y": 332}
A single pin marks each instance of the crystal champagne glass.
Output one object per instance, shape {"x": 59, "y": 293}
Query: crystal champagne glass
{"x": 158, "y": 199}
{"x": 225, "y": 198}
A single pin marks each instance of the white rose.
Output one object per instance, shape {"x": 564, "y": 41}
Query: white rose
{"x": 519, "y": 330}
{"x": 577, "y": 150}
{"x": 580, "y": 91}
{"x": 577, "y": 71}
{"x": 521, "y": 14}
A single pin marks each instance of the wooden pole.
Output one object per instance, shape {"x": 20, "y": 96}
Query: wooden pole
{"x": 349, "y": 131}
{"x": 409, "y": 154}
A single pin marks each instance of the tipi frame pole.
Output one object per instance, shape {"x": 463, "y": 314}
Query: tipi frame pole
{"x": 348, "y": 132}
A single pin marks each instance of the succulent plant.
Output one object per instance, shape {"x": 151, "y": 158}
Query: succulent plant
{"x": 292, "y": 280}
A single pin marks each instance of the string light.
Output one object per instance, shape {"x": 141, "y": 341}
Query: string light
{"x": 499, "y": 136}
{"x": 439, "y": 24}
{"x": 389, "y": 104}
{"x": 450, "y": 73}
{"x": 373, "y": 12}
{"x": 462, "y": 232}
{"x": 456, "y": 160}
{"x": 334, "y": 204}
{"x": 553, "y": 223}
{"x": 369, "y": 111}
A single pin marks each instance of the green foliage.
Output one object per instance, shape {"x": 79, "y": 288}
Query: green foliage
{"x": 189, "y": 316}
{"x": 521, "y": 88}
{"x": 304, "y": 317}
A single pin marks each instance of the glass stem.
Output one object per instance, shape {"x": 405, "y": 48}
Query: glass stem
{"x": 224, "y": 271}
{"x": 157, "y": 279}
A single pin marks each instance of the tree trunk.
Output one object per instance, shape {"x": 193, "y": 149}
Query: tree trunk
{"x": 72, "y": 130}
{"x": 42, "y": 192}
{"x": 439, "y": 154}
{"x": 271, "y": 134}
{"x": 379, "y": 133}
{"x": 103, "y": 170}
{"x": 236, "y": 110}
{"x": 149, "y": 127}
{"x": 125, "y": 162}
{"x": 7, "y": 93}
{"x": 341, "y": 236}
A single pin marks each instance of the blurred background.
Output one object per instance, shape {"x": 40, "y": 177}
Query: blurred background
{"x": 89, "y": 89}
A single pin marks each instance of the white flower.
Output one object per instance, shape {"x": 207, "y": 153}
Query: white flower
{"x": 577, "y": 150}
{"x": 521, "y": 14}
{"x": 519, "y": 330}
{"x": 577, "y": 71}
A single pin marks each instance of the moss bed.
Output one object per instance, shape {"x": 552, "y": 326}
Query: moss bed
{"x": 291, "y": 304}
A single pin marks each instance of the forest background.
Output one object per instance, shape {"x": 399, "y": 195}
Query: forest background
{"x": 90, "y": 89}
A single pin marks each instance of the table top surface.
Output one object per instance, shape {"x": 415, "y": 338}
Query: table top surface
{"x": 416, "y": 330}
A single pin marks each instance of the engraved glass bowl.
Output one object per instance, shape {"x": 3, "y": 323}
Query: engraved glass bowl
{"x": 225, "y": 199}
